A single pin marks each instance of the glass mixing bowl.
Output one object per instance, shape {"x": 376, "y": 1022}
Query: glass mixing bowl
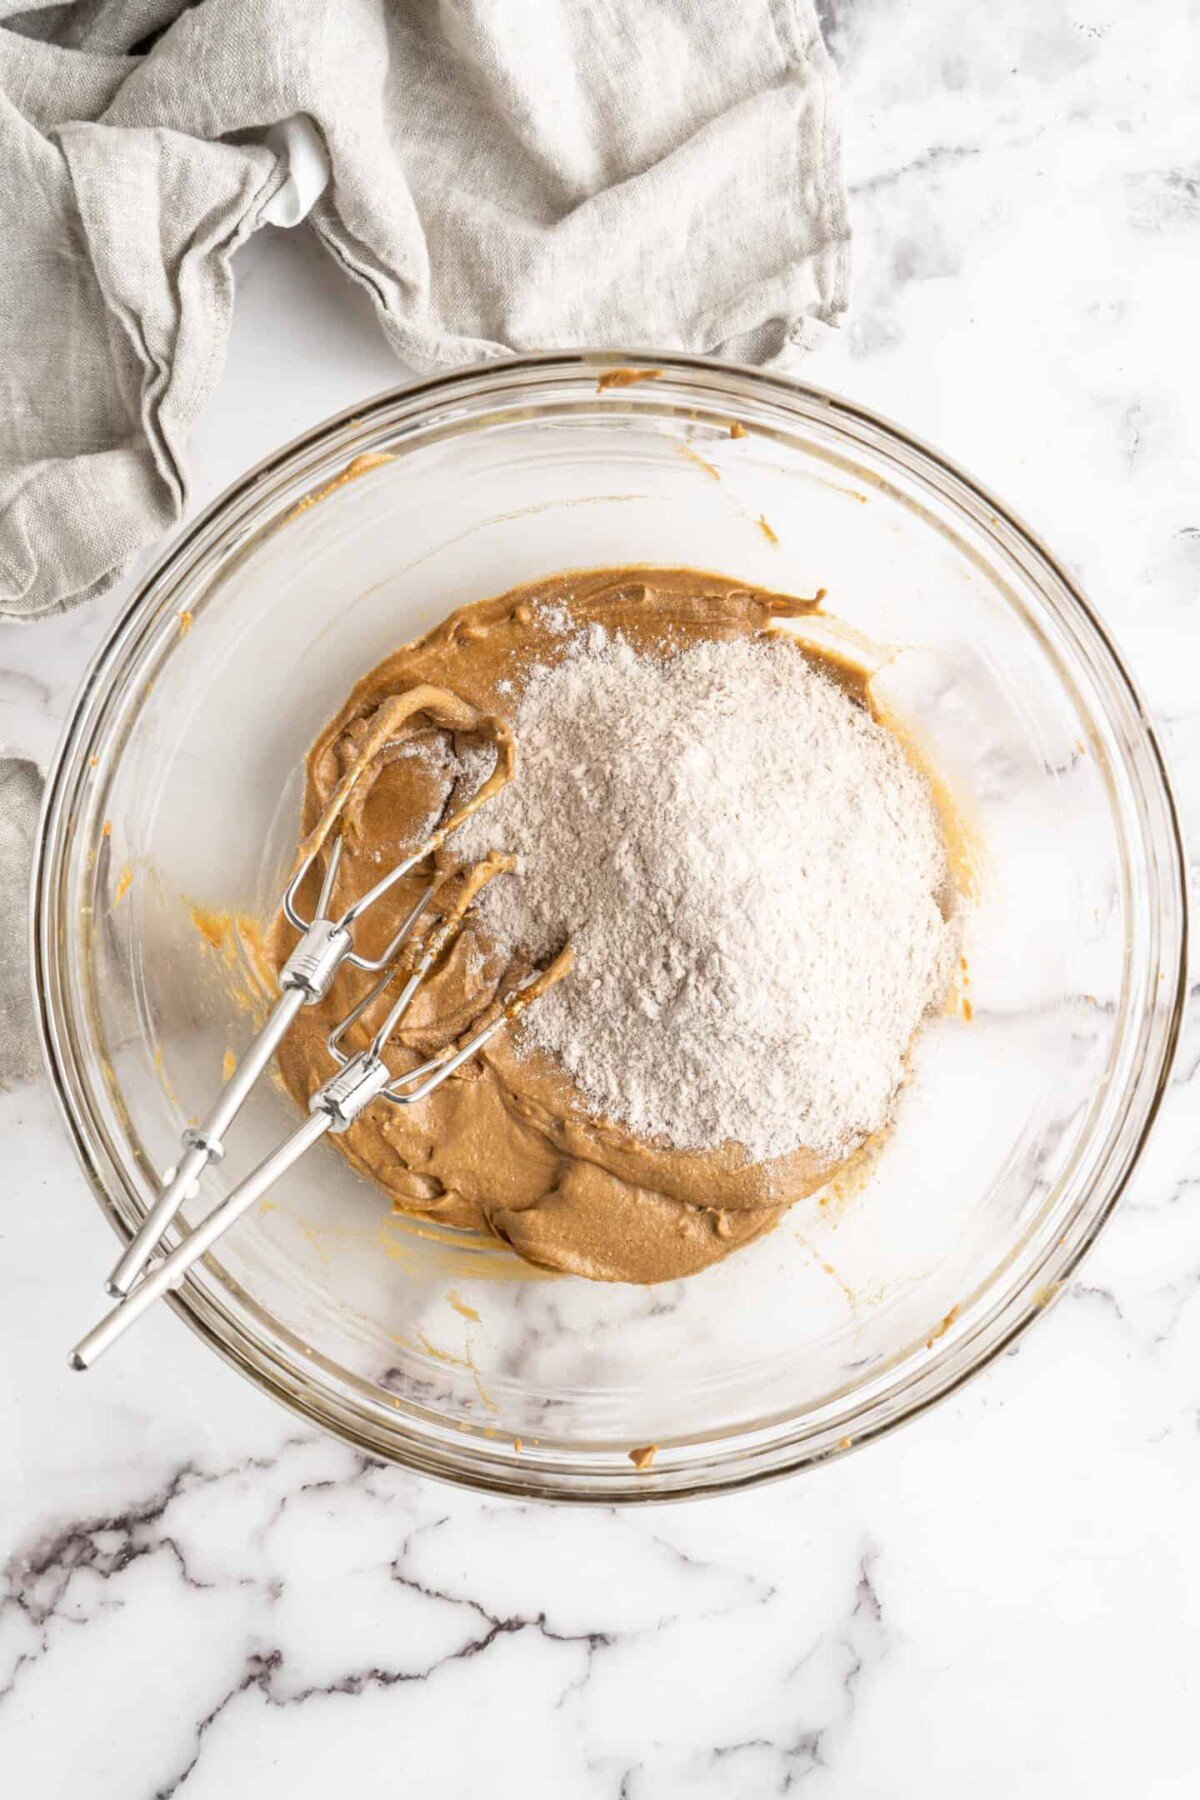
{"x": 177, "y": 788}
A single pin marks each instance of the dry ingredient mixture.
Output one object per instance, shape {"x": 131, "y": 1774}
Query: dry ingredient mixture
{"x": 752, "y": 878}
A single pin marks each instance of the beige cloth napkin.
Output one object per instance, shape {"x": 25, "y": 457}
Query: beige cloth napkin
{"x": 20, "y": 798}
{"x": 500, "y": 175}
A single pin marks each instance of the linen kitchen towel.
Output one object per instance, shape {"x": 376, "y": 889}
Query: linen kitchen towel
{"x": 500, "y": 175}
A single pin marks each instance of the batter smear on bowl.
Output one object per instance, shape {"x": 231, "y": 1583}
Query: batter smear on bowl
{"x": 750, "y": 873}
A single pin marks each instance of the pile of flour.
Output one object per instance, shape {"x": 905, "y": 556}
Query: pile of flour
{"x": 752, "y": 877}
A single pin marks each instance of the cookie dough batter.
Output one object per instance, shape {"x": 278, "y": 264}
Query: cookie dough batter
{"x": 503, "y": 1147}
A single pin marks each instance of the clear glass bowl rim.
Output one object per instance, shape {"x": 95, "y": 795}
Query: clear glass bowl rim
{"x": 731, "y": 1461}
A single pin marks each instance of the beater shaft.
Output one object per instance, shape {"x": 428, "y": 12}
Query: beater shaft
{"x": 204, "y": 1145}
{"x": 334, "y": 1107}
{"x": 171, "y": 1270}
{"x": 304, "y": 979}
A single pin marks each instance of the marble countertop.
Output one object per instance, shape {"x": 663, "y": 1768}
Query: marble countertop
{"x": 200, "y": 1596}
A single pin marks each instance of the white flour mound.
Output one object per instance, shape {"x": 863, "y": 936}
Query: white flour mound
{"x": 752, "y": 876}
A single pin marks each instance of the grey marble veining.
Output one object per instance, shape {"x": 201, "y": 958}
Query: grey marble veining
{"x": 201, "y": 1597}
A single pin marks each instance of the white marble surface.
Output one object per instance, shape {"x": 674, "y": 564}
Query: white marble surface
{"x": 201, "y": 1597}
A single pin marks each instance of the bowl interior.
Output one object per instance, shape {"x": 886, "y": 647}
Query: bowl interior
{"x": 182, "y": 782}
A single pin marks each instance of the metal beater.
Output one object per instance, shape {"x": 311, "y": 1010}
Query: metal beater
{"x": 305, "y": 979}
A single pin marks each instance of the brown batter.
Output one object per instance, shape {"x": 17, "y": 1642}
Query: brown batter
{"x": 503, "y": 1147}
